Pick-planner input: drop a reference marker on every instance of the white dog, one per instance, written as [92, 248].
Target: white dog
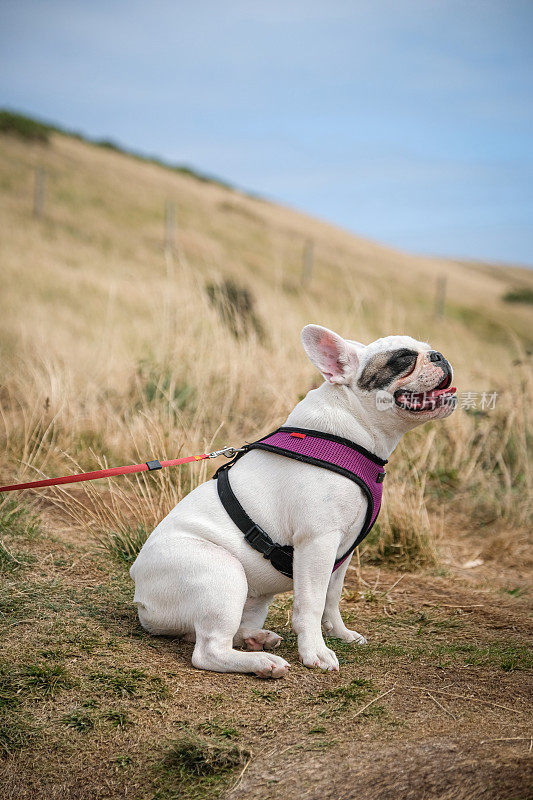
[197, 576]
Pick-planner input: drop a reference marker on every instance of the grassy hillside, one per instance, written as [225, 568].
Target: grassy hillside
[113, 348]
[119, 347]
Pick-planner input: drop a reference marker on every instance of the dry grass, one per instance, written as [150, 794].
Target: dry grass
[114, 351]
[127, 358]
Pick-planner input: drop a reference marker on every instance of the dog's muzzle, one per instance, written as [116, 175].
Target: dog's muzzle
[441, 395]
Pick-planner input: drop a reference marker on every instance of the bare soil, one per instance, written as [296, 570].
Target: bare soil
[456, 730]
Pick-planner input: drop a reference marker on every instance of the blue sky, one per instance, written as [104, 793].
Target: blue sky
[406, 121]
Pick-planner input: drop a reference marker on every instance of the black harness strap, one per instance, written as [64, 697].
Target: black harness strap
[279, 556]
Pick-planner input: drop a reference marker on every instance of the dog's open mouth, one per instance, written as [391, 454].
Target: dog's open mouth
[441, 395]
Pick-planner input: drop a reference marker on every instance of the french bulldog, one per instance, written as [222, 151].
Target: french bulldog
[196, 576]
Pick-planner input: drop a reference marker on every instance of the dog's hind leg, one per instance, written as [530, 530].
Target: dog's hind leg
[197, 590]
[219, 618]
[251, 632]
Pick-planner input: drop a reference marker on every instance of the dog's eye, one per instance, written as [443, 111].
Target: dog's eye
[384, 368]
[402, 362]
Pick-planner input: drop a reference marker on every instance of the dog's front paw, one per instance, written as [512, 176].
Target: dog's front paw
[336, 629]
[321, 657]
[351, 637]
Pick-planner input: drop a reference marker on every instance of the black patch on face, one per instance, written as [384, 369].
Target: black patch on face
[385, 367]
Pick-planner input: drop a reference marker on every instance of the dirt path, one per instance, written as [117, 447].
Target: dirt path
[449, 716]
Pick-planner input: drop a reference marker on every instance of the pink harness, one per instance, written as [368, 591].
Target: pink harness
[312, 447]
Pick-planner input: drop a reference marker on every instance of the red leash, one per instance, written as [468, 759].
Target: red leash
[147, 466]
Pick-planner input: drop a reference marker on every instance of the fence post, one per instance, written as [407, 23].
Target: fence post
[308, 261]
[170, 226]
[440, 296]
[39, 192]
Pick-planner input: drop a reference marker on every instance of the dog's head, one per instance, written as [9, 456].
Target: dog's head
[396, 375]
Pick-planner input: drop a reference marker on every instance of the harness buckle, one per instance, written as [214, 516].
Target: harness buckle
[260, 540]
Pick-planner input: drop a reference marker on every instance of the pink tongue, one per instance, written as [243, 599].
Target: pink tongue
[437, 392]
[419, 398]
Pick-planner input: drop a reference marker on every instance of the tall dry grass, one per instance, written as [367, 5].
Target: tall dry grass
[113, 352]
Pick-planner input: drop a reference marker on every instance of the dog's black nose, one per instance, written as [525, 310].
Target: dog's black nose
[433, 355]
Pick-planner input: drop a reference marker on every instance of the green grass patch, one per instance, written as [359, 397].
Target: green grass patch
[35, 130]
[11, 562]
[85, 641]
[420, 622]
[123, 761]
[421, 640]
[379, 652]
[374, 711]
[522, 294]
[124, 545]
[35, 681]
[84, 719]
[107, 603]
[45, 679]
[24, 127]
[317, 745]
[196, 767]
[117, 719]
[427, 623]
[16, 732]
[406, 546]
[130, 683]
[358, 690]
[80, 720]
[31, 599]
[219, 728]
[266, 697]
[9, 688]
[343, 650]
[16, 519]
[516, 591]
[159, 385]
[443, 482]
[508, 657]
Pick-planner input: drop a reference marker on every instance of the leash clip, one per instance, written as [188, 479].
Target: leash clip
[229, 452]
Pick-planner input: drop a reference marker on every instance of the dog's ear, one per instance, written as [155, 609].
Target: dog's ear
[336, 358]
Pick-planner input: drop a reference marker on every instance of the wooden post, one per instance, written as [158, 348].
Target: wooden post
[440, 296]
[39, 192]
[308, 262]
[170, 226]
